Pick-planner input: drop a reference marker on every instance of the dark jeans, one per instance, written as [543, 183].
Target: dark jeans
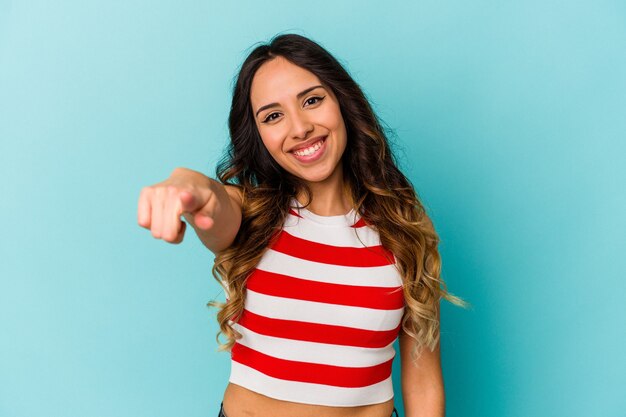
[222, 414]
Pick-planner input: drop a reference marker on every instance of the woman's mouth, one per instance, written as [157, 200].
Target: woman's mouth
[312, 153]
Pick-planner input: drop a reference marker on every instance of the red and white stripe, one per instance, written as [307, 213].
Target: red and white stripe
[322, 311]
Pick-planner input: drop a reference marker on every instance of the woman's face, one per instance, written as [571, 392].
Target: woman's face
[299, 120]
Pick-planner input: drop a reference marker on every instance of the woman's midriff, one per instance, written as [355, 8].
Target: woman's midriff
[241, 402]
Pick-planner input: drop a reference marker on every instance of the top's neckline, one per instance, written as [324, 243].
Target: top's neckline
[348, 219]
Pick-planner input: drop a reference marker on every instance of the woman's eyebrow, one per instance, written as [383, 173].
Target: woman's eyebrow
[300, 94]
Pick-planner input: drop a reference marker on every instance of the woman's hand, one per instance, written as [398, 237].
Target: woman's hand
[187, 193]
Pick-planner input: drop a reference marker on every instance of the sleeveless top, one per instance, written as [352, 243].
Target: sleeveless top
[322, 311]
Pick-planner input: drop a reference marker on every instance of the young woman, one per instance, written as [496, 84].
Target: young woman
[325, 252]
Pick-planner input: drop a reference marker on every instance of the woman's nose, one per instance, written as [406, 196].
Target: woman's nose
[300, 126]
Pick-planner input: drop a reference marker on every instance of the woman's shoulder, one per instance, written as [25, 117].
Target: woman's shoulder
[235, 192]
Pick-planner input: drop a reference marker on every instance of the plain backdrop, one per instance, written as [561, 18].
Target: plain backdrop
[508, 117]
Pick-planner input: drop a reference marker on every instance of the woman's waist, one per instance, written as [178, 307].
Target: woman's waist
[242, 402]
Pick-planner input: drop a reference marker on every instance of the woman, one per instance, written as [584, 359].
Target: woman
[322, 246]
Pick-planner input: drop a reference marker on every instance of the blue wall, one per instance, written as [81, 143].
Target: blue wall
[509, 119]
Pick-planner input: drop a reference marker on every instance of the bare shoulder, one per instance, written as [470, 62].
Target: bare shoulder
[235, 193]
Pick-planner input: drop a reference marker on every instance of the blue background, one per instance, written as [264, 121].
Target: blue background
[509, 118]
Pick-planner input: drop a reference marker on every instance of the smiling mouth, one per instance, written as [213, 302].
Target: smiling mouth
[311, 154]
[308, 151]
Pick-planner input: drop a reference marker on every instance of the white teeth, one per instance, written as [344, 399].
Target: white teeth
[310, 150]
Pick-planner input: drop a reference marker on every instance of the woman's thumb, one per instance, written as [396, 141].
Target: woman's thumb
[202, 221]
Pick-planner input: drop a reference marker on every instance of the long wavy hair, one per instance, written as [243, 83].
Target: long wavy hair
[383, 196]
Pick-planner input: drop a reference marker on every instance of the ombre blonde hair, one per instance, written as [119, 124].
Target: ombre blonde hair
[382, 195]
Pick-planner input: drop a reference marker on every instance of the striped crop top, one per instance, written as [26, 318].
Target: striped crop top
[321, 314]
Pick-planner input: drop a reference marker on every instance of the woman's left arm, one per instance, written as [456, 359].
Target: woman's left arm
[422, 381]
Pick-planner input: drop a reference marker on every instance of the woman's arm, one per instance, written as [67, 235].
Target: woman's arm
[212, 209]
[422, 381]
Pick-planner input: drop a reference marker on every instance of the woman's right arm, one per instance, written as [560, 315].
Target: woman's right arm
[211, 208]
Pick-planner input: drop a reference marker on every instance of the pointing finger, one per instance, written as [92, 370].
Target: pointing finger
[189, 201]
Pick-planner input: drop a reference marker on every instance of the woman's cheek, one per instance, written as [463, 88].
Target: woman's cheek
[268, 136]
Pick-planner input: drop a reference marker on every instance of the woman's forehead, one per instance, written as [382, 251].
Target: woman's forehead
[278, 79]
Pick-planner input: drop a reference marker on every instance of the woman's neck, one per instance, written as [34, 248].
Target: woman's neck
[328, 200]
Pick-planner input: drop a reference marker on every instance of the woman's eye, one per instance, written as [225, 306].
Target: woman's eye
[315, 100]
[269, 117]
[309, 101]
